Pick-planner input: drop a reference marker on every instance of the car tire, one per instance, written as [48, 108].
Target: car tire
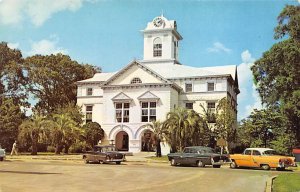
[200, 164]
[173, 162]
[118, 162]
[265, 167]
[85, 160]
[280, 168]
[233, 165]
[216, 166]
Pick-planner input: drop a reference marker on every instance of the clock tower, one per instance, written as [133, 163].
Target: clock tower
[161, 41]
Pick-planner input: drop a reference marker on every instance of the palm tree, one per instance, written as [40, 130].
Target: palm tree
[64, 132]
[184, 127]
[158, 134]
[33, 129]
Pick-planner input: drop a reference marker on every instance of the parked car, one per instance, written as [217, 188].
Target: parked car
[104, 154]
[264, 158]
[198, 156]
[2, 154]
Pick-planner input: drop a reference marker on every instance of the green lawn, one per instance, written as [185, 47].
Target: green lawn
[46, 153]
[287, 182]
[163, 158]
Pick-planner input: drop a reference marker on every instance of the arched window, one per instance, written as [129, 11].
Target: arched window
[136, 80]
[157, 47]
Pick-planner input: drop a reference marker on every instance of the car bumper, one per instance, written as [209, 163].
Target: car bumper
[115, 160]
[285, 165]
[221, 162]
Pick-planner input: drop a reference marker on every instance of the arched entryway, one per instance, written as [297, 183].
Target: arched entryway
[147, 141]
[122, 141]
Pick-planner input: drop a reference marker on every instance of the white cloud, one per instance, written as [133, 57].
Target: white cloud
[246, 57]
[13, 45]
[248, 98]
[46, 47]
[11, 11]
[256, 104]
[218, 47]
[38, 11]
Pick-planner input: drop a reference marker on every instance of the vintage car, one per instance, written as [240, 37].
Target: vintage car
[264, 158]
[104, 154]
[2, 154]
[198, 156]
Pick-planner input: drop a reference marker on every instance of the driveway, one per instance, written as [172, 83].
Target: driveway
[56, 176]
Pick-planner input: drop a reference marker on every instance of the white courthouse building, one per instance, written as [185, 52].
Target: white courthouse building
[126, 101]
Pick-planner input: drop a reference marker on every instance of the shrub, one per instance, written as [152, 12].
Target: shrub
[51, 149]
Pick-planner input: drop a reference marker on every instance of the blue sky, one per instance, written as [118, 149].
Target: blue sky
[107, 33]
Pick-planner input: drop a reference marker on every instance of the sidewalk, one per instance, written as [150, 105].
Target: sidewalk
[136, 157]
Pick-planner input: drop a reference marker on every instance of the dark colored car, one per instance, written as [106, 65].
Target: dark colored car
[198, 156]
[2, 154]
[104, 154]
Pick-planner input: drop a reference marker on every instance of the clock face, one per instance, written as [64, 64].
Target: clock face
[158, 21]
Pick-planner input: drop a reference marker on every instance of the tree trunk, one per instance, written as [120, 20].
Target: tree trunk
[57, 149]
[34, 148]
[34, 145]
[158, 148]
[67, 147]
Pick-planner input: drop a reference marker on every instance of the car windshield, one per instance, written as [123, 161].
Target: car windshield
[106, 149]
[270, 152]
[206, 150]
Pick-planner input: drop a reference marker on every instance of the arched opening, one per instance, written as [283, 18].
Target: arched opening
[122, 141]
[147, 141]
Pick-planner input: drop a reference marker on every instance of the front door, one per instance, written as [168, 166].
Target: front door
[122, 141]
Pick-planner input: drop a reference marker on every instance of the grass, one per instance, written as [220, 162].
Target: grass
[46, 153]
[163, 158]
[287, 182]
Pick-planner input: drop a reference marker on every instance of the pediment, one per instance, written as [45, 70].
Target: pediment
[148, 96]
[121, 97]
[135, 70]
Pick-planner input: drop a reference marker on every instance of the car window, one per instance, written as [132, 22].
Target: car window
[247, 152]
[270, 152]
[193, 151]
[255, 152]
[210, 150]
[186, 150]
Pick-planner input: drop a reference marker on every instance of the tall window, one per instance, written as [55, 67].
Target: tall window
[122, 112]
[210, 86]
[157, 47]
[189, 105]
[136, 80]
[175, 49]
[188, 87]
[89, 91]
[88, 113]
[148, 111]
[211, 108]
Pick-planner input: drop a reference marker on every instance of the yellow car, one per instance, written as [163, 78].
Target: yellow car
[264, 158]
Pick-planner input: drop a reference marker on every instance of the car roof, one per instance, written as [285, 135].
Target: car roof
[104, 146]
[259, 149]
[199, 147]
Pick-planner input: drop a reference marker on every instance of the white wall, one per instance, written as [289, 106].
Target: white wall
[167, 45]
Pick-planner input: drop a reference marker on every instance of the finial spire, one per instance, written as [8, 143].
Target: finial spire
[162, 12]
